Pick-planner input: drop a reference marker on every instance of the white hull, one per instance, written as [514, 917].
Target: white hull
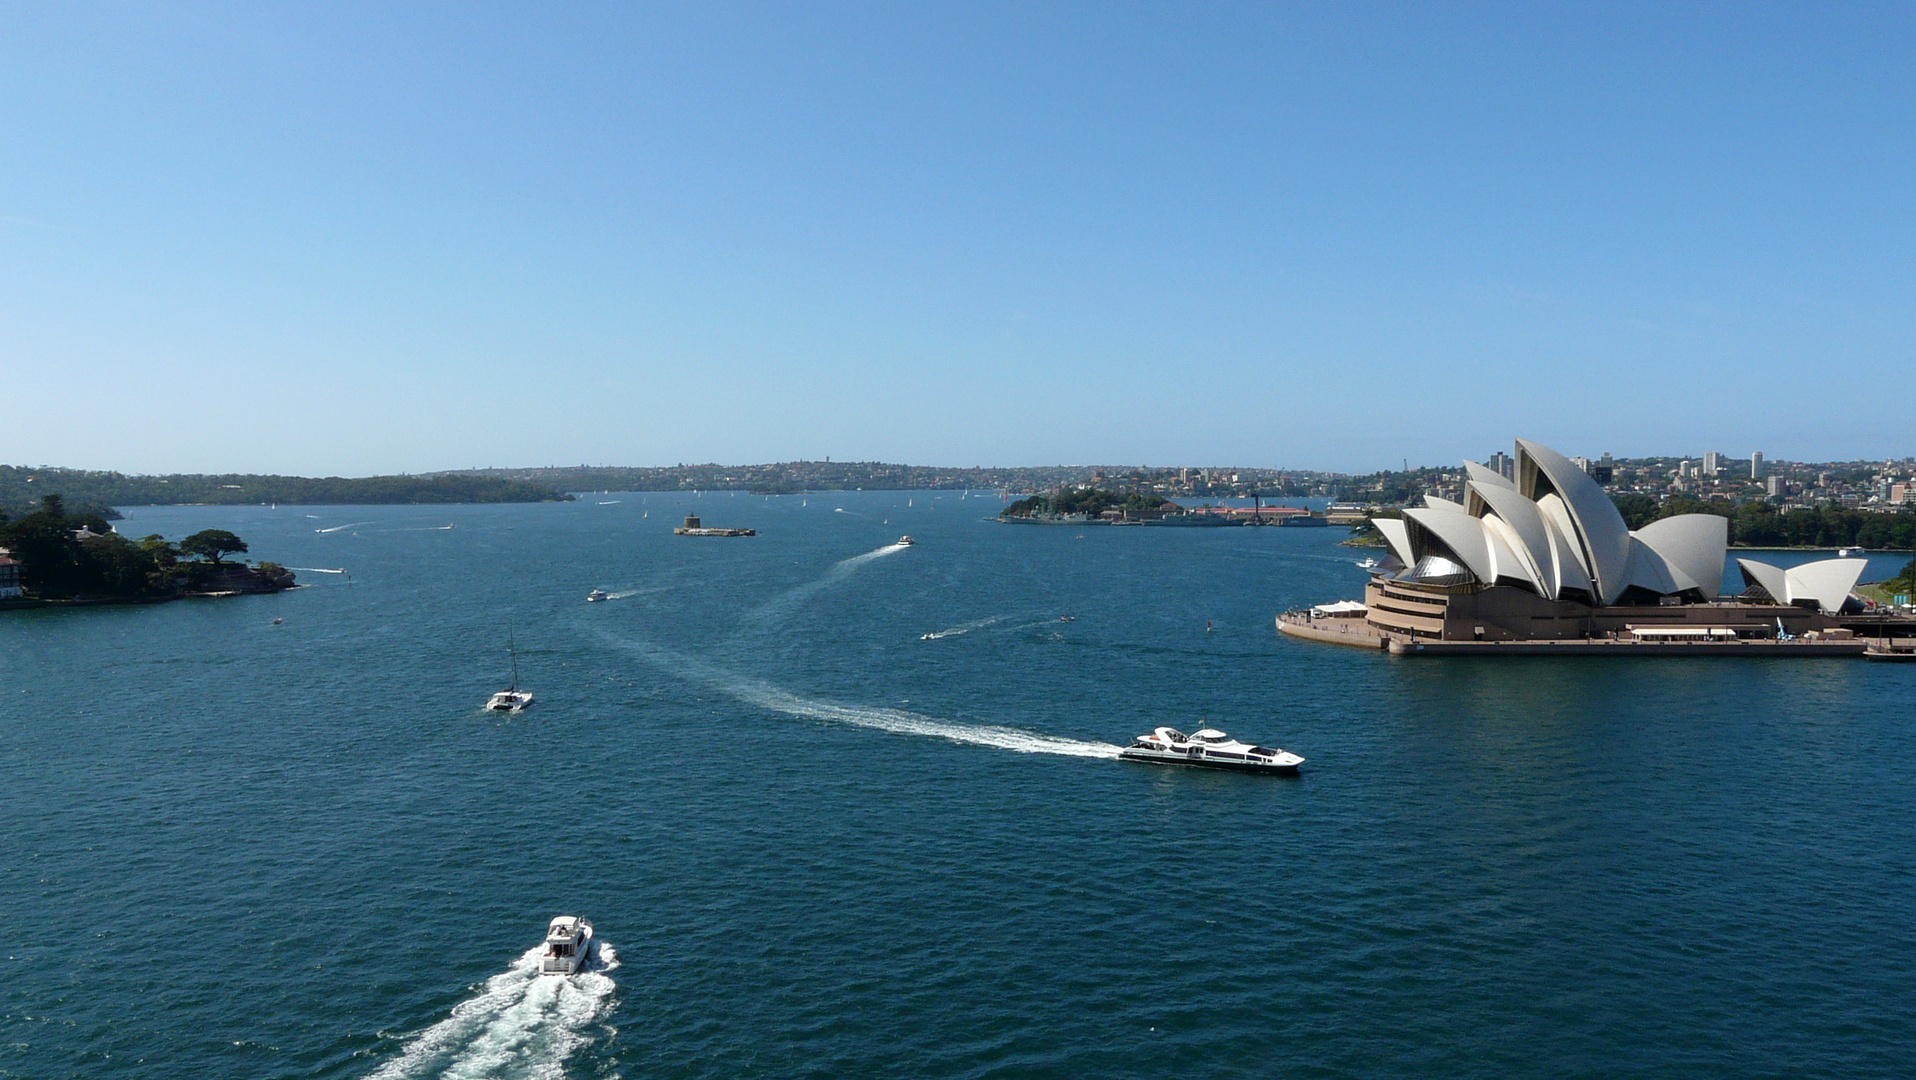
[509, 701]
[1209, 749]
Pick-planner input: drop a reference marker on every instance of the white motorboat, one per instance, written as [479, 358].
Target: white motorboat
[1369, 563]
[595, 596]
[906, 541]
[568, 946]
[1850, 552]
[1208, 749]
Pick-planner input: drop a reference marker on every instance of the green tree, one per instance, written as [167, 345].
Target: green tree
[210, 544]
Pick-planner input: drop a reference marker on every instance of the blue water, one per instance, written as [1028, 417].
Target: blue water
[820, 844]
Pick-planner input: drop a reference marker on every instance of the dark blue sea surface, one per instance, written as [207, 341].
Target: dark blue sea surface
[840, 808]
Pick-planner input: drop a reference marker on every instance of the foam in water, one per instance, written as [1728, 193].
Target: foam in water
[520, 1024]
[336, 528]
[762, 617]
[903, 722]
[898, 721]
[962, 628]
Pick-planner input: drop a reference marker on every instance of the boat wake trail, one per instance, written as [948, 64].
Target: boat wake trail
[763, 616]
[520, 1024]
[898, 721]
[962, 628]
[336, 528]
[314, 570]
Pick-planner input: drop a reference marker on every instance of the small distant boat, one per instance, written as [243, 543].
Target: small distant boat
[277, 621]
[1887, 650]
[1067, 618]
[595, 596]
[1369, 563]
[511, 699]
[906, 541]
[568, 946]
[1208, 749]
[1850, 553]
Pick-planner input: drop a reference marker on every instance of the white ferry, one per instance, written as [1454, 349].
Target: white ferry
[568, 946]
[1208, 749]
[906, 541]
[595, 596]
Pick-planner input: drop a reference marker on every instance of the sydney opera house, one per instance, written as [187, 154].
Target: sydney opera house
[1544, 555]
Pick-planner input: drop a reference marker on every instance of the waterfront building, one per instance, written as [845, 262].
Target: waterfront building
[9, 576]
[1546, 555]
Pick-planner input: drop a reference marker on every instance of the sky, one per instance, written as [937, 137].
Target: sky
[352, 239]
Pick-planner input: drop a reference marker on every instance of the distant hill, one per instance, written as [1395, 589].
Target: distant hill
[794, 476]
[21, 489]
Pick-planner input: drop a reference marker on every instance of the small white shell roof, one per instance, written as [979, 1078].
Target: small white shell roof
[1826, 581]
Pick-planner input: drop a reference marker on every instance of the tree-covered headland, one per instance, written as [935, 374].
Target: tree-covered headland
[76, 556]
[1087, 501]
[21, 489]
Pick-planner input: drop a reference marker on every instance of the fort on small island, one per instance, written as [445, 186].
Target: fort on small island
[1539, 561]
[693, 528]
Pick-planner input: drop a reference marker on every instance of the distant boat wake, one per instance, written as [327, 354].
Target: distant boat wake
[336, 528]
[962, 628]
[314, 570]
[520, 1024]
[764, 695]
[762, 617]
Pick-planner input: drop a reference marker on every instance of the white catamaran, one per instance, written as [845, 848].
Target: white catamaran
[511, 699]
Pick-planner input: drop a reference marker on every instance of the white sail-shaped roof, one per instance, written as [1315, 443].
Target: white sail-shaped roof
[1486, 476]
[1508, 564]
[1646, 569]
[1555, 531]
[1457, 535]
[1567, 570]
[1694, 545]
[1525, 522]
[1600, 531]
[1827, 582]
[1394, 535]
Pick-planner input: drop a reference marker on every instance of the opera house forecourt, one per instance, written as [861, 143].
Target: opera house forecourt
[1542, 562]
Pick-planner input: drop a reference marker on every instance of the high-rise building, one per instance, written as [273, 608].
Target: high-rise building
[1712, 463]
[1774, 486]
[1756, 465]
[1502, 465]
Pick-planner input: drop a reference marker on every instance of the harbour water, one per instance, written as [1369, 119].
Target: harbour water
[844, 808]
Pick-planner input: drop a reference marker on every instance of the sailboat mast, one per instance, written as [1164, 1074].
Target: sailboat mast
[512, 649]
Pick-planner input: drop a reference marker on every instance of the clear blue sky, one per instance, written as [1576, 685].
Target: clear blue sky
[372, 238]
